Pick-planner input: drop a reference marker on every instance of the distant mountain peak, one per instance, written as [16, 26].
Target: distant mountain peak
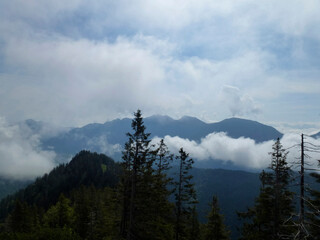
[317, 135]
[238, 119]
[239, 127]
[189, 119]
[96, 137]
[160, 118]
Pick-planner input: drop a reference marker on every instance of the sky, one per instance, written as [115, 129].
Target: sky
[70, 63]
[76, 62]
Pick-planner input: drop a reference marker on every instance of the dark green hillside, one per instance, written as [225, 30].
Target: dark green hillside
[236, 190]
[85, 168]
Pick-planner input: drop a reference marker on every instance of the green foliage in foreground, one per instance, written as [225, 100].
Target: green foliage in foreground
[84, 200]
[143, 212]
[90, 213]
[271, 217]
[42, 234]
[215, 229]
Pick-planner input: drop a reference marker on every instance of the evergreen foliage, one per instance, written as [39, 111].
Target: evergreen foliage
[313, 216]
[185, 195]
[273, 209]
[215, 229]
[161, 210]
[135, 185]
[194, 228]
[60, 215]
[143, 188]
[85, 169]
[96, 212]
[85, 200]
[90, 214]
[80, 200]
[22, 219]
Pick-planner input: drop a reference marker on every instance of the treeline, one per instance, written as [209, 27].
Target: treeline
[84, 169]
[95, 198]
[145, 204]
[88, 213]
[274, 214]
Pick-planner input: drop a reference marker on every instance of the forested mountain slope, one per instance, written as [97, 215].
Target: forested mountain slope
[84, 169]
[236, 189]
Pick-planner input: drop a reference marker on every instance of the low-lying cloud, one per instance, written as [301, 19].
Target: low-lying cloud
[20, 155]
[242, 152]
[101, 144]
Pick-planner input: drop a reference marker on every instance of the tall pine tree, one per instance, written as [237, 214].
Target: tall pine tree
[273, 209]
[185, 196]
[146, 210]
[160, 212]
[215, 229]
[136, 166]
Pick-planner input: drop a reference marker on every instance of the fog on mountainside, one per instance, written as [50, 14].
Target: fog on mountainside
[234, 143]
[89, 172]
[110, 136]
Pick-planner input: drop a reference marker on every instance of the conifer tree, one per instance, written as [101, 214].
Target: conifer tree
[22, 218]
[136, 180]
[162, 181]
[163, 158]
[60, 215]
[215, 229]
[95, 212]
[160, 223]
[194, 225]
[313, 203]
[82, 212]
[273, 209]
[185, 195]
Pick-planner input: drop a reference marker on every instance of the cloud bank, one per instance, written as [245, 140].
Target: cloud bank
[242, 152]
[78, 62]
[20, 155]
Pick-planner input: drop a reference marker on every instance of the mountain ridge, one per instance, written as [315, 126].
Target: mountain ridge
[114, 132]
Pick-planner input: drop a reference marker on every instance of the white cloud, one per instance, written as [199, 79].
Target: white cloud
[297, 18]
[243, 152]
[80, 81]
[20, 154]
[101, 145]
[74, 80]
[238, 103]
[79, 62]
[309, 128]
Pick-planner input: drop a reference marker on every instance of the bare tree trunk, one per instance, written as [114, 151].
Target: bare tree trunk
[301, 215]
